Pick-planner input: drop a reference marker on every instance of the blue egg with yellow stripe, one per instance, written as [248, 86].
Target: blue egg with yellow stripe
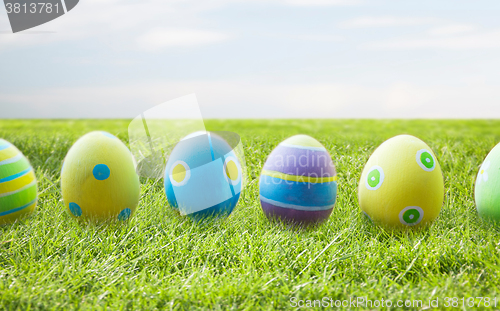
[18, 188]
[298, 182]
[203, 176]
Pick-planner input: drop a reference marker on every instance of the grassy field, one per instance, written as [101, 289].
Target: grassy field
[160, 260]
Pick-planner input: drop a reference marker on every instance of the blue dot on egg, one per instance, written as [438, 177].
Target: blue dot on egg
[101, 172]
[125, 214]
[75, 209]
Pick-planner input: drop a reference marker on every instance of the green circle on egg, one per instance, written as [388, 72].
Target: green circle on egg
[375, 178]
[411, 215]
[425, 160]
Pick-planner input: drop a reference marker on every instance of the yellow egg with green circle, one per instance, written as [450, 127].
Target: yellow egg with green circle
[99, 180]
[402, 184]
[18, 188]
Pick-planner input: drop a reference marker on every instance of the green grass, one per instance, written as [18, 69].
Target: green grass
[160, 260]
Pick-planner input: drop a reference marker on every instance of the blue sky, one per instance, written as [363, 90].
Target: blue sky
[257, 59]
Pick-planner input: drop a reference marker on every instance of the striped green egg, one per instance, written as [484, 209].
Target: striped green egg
[18, 189]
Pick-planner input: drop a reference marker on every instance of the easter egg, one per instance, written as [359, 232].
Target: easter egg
[402, 184]
[18, 189]
[298, 183]
[203, 176]
[99, 180]
[487, 192]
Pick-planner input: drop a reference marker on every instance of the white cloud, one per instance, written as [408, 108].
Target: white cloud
[319, 38]
[455, 29]
[479, 41]
[322, 2]
[384, 21]
[157, 39]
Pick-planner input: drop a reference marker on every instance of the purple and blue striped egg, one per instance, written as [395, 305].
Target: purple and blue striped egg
[299, 182]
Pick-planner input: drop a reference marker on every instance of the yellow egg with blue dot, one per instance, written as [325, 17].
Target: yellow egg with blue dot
[402, 184]
[99, 180]
[203, 176]
[18, 188]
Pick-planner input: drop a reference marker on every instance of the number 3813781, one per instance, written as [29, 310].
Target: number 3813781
[470, 302]
[33, 8]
